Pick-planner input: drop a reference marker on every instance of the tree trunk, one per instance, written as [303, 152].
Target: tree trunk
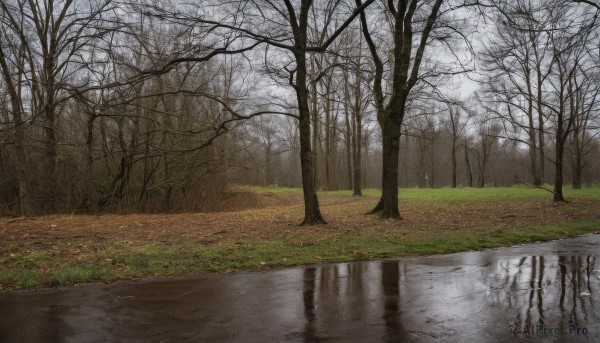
[349, 148]
[357, 156]
[455, 134]
[577, 160]
[404, 78]
[89, 196]
[454, 162]
[51, 155]
[533, 160]
[89, 141]
[314, 113]
[481, 183]
[468, 163]
[327, 129]
[388, 203]
[432, 163]
[357, 132]
[541, 153]
[312, 213]
[268, 158]
[558, 176]
[577, 176]
[532, 138]
[27, 206]
[541, 143]
[561, 135]
[334, 168]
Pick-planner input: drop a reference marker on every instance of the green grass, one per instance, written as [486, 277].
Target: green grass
[449, 198]
[499, 238]
[250, 254]
[593, 193]
[27, 267]
[78, 273]
[478, 194]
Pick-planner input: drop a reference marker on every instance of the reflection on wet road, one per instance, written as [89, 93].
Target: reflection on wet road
[547, 292]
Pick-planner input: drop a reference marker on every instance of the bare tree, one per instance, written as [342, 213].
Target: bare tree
[517, 64]
[487, 141]
[466, 149]
[565, 106]
[410, 21]
[41, 49]
[581, 141]
[550, 40]
[288, 33]
[355, 103]
[456, 129]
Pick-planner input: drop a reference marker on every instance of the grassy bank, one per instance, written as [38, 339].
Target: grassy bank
[63, 250]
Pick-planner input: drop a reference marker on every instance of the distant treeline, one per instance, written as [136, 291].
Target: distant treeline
[160, 106]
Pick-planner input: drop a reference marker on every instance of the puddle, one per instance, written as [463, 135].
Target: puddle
[546, 292]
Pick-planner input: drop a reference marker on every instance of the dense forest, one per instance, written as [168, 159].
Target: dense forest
[165, 106]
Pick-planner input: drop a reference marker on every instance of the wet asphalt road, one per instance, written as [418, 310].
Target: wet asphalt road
[544, 292]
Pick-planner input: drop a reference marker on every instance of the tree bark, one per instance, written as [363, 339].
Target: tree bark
[540, 105]
[388, 203]
[51, 153]
[558, 176]
[455, 123]
[541, 143]
[353, 109]
[577, 162]
[467, 162]
[453, 162]
[405, 75]
[349, 148]
[531, 129]
[312, 212]
[349, 132]
[357, 154]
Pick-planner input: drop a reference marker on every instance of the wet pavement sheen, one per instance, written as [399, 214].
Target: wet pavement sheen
[545, 292]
